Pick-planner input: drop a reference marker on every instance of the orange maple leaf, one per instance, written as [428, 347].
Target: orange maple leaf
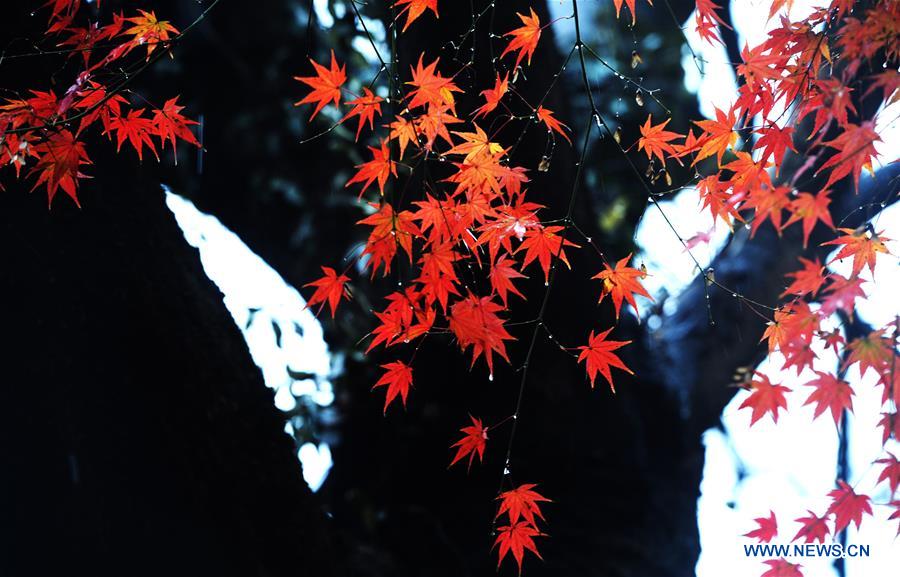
[862, 245]
[397, 379]
[414, 9]
[631, 8]
[545, 115]
[622, 283]
[473, 442]
[810, 208]
[525, 38]
[475, 144]
[380, 168]
[717, 135]
[765, 398]
[807, 280]
[654, 140]
[326, 85]
[493, 95]
[430, 87]
[599, 356]
[149, 31]
[329, 288]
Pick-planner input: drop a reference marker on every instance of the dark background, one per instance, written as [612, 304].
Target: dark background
[137, 437]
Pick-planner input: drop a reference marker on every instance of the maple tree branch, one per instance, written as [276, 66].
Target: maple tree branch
[122, 85]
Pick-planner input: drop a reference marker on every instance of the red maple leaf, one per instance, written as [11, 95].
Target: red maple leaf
[890, 472]
[777, 5]
[708, 21]
[775, 142]
[502, 274]
[543, 244]
[855, 149]
[365, 106]
[814, 528]
[896, 514]
[782, 568]
[59, 163]
[622, 283]
[890, 424]
[841, 294]
[655, 140]
[390, 231]
[847, 506]
[135, 128]
[380, 168]
[524, 38]
[473, 442]
[599, 357]
[764, 398]
[330, 288]
[397, 379]
[545, 115]
[414, 9]
[522, 502]
[475, 323]
[169, 125]
[718, 198]
[516, 538]
[831, 393]
[766, 530]
[862, 245]
[326, 85]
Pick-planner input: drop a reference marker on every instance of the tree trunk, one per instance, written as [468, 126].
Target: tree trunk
[137, 436]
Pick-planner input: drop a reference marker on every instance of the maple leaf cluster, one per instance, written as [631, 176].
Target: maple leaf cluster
[478, 216]
[42, 131]
[522, 509]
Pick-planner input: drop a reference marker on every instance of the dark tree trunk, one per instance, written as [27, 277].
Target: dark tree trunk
[136, 435]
